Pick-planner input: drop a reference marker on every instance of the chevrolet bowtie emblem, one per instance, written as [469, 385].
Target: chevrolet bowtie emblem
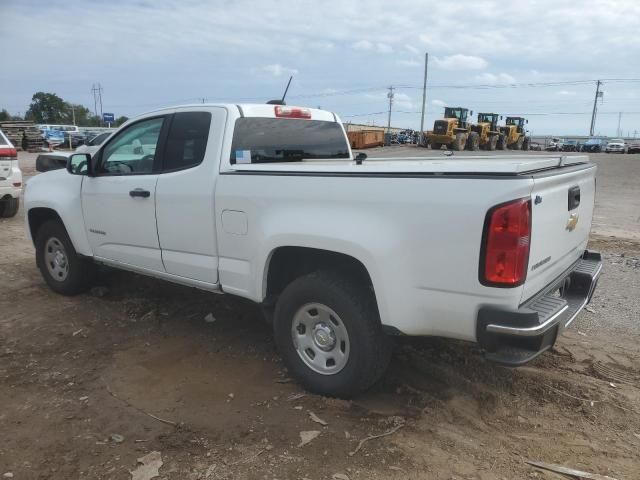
[572, 222]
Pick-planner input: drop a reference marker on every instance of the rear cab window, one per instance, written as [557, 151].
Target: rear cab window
[187, 140]
[275, 140]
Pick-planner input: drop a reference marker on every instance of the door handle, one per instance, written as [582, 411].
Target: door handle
[574, 198]
[139, 192]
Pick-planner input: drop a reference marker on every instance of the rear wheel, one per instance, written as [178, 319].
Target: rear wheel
[436, 146]
[328, 331]
[61, 267]
[9, 207]
[473, 142]
[459, 142]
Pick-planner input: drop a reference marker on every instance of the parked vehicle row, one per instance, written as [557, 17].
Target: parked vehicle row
[67, 136]
[594, 145]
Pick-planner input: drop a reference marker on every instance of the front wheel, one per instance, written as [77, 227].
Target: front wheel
[473, 142]
[328, 331]
[436, 146]
[61, 267]
[526, 144]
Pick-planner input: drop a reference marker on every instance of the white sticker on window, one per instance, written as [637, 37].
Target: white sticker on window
[243, 156]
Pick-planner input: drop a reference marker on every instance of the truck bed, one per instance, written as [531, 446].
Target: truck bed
[500, 165]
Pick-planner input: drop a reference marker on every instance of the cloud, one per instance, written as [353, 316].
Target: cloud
[367, 46]
[461, 62]
[278, 70]
[409, 63]
[404, 101]
[362, 45]
[493, 79]
[439, 103]
[412, 49]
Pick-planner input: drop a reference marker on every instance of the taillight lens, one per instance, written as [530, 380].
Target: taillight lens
[292, 112]
[8, 153]
[506, 242]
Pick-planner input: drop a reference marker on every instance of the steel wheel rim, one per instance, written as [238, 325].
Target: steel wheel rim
[320, 338]
[56, 259]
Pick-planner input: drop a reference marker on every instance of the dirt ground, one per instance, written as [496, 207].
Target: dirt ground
[90, 384]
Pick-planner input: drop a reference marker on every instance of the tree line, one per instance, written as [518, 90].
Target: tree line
[52, 109]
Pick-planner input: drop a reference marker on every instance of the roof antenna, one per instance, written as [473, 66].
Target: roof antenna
[281, 102]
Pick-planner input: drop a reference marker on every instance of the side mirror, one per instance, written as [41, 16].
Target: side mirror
[471, 112]
[527, 121]
[78, 164]
[361, 157]
[500, 117]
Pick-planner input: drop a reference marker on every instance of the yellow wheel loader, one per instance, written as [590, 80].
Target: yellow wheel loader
[514, 134]
[454, 131]
[487, 130]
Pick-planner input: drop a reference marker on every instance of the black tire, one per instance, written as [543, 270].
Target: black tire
[9, 207]
[369, 349]
[436, 146]
[526, 144]
[80, 270]
[492, 143]
[518, 144]
[459, 142]
[473, 142]
[502, 142]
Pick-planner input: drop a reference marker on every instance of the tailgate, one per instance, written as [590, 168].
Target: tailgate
[562, 207]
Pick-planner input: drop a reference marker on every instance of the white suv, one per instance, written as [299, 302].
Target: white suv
[10, 178]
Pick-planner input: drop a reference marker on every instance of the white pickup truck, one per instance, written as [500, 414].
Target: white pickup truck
[267, 202]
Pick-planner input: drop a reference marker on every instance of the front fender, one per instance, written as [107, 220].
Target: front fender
[60, 191]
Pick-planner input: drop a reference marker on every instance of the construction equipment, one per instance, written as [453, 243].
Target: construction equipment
[514, 134]
[487, 129]
[454, 131]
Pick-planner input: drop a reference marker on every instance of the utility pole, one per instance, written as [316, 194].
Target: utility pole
[424, 97]
[390, 97]
[95, 100]
[73, 114]
[619, 131]
[96, 89]
[595, 105]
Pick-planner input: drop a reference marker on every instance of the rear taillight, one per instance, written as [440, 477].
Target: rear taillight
[505, 244]
[292, 112]
[8, 153]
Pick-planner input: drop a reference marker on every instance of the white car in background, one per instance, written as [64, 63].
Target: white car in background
[58, 159]
[93, 145]
[616, 145]
[10, 178]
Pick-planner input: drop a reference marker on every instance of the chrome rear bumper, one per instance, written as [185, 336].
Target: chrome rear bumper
[514, 337]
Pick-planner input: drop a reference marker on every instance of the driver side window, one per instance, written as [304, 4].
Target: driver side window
[133, 150]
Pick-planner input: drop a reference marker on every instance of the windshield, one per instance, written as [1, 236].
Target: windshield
[592, 141]
[486, 117]
[616, 140]
[454, 113]
[266, 140]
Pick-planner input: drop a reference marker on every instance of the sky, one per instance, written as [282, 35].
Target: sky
[539, 59]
